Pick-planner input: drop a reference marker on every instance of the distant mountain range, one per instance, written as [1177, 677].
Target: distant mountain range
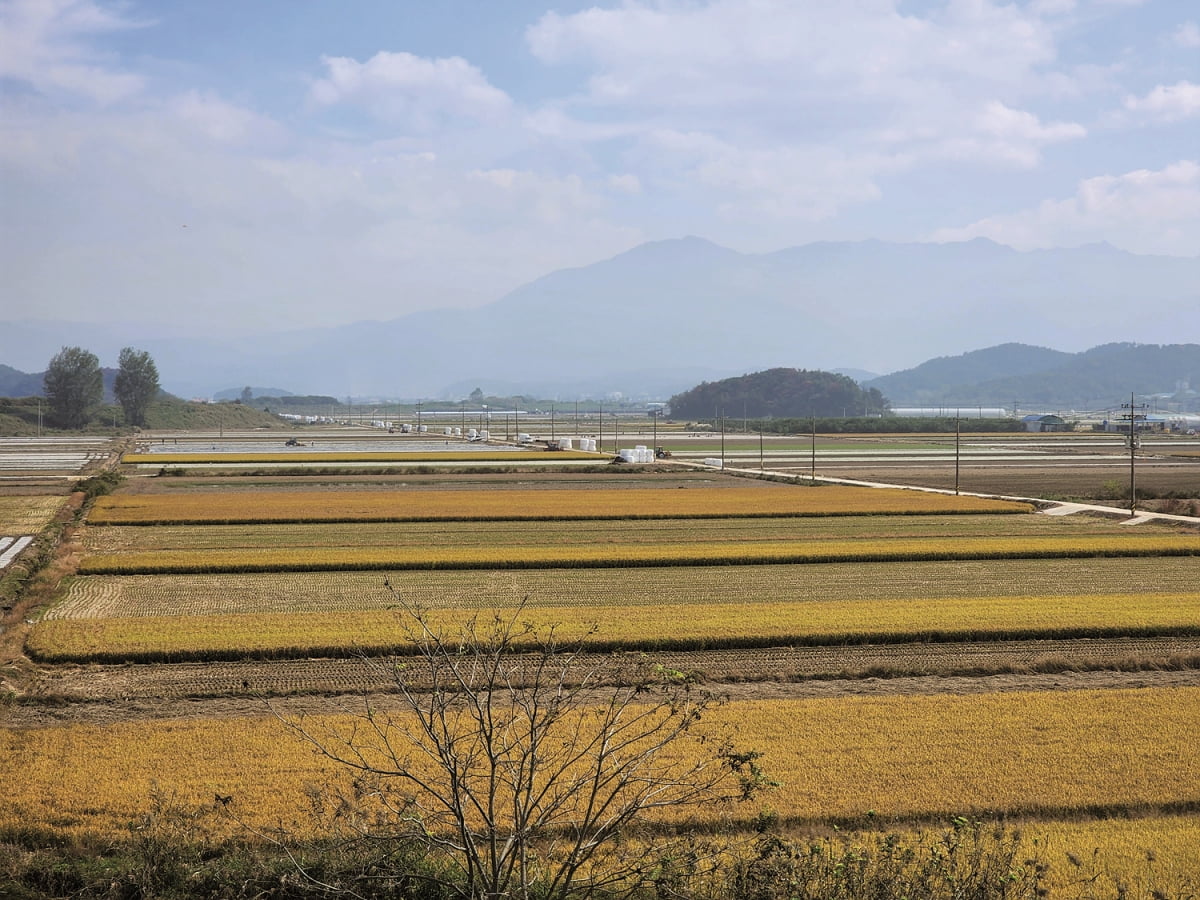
[1037, 378]
[1013, 376]
[665, 316]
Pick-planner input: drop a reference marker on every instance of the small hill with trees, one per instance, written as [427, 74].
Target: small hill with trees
[779, 393]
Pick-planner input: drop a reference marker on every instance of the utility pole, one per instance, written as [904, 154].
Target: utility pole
[1134, 441]
[957, 439]
[812, 468]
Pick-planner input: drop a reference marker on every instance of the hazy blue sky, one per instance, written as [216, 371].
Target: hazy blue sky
[235, 164]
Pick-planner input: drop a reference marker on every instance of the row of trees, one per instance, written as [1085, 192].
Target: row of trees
[74, 385]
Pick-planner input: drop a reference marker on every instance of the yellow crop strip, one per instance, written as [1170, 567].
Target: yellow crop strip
[627, 503]
[589, 590]
[358, 456]
[684, 624]
[1050, 755]
[126, 538]
[617, 555]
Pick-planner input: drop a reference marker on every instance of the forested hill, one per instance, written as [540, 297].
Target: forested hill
[778, 393]
[1039, 377]
[19, 384]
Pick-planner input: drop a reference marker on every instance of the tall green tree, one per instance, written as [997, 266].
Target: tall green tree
[136, 384]
[74, 386]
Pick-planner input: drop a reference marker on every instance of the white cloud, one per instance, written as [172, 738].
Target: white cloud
[1142, 211]
[1187, 35]
[802, 183]
[1010, 136]
[736, 51]
[1168, 102]
[221, 121]
[326, 231]
[798, 110]
[412, 90]
[625, 184]
[46, 44]
[1015, 124]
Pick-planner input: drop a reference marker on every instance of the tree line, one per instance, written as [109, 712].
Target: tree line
[74, 386]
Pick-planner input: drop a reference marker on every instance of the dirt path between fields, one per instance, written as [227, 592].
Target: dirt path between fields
[108, 694]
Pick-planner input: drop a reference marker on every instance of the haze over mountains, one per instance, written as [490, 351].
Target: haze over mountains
[664, 316]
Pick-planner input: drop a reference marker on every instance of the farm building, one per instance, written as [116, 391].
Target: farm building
[1038, 422]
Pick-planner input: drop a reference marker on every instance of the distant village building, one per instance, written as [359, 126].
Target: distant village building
[1042, 423]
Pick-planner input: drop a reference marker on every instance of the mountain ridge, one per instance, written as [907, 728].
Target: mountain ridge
[628, 322]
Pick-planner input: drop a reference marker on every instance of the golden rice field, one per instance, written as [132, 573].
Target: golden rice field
[1139, 854]
[105, 596]
[544, 505]
[307, 457]
[134, 538]
[1056, 758]
[681, 625]
[229, 572]
[27, 515]
[636, 555]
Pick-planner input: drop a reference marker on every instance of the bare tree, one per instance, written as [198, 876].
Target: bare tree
[523, 768]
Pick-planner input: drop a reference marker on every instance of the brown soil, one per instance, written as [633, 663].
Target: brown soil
[117, 711]
[101, 694]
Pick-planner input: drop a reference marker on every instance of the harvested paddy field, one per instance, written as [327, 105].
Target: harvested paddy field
[1108, 479]
[97, 693]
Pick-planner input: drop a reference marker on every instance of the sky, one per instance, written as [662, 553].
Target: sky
[221, 166]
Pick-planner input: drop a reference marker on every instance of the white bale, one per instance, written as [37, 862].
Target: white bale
[565, 444]
[714, 461]
[485, 435]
